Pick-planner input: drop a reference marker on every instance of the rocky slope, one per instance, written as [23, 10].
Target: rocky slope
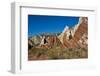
[45, 40]
[71, 43]
[76, 37]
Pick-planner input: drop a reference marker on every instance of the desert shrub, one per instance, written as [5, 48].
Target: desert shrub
[53, 53]
[59, 53]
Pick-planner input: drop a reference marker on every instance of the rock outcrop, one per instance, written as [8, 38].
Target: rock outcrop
[77, 36]
[50, 42]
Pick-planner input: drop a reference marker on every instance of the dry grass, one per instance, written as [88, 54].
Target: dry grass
[56, 53]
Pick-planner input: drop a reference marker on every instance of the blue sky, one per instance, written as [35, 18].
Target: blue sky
[51, 24]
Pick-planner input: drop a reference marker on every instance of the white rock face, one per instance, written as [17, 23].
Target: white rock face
[76, 26]
[43, 41]
[65, 29]
[62, 34]
[83, 42]
[75, 36]
[69, 32]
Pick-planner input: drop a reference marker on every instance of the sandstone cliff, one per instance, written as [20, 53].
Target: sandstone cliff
[77, 36]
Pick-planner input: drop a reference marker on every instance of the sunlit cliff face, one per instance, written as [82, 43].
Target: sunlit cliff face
[69, 34]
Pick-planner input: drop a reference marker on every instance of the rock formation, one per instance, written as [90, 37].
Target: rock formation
[50, 42]
[77, 36]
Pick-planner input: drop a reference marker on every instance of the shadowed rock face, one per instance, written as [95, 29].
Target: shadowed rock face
[30, 44]
[77, 36]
